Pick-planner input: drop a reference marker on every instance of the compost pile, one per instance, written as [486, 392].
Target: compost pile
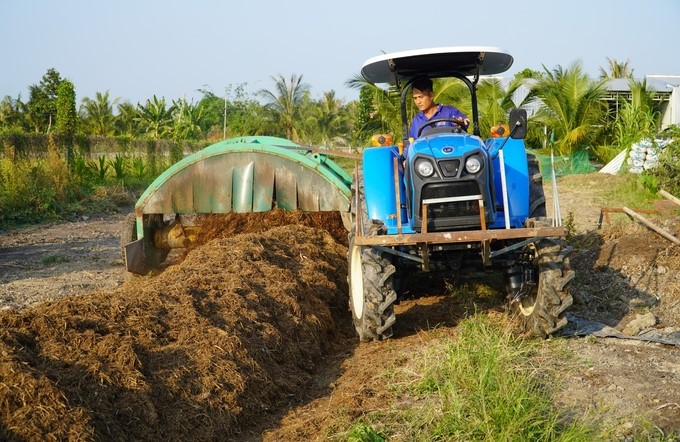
[198, 352]
[248, 336]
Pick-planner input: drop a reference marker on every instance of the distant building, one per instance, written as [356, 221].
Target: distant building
[666, 87]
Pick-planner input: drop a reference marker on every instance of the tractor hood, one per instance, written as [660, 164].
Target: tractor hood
[443, 146]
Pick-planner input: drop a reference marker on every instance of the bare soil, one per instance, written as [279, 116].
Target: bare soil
[249, 337]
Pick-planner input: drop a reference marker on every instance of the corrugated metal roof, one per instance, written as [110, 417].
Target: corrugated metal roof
[673, 80]
[618, 85]
[614, 165]
[654, 83]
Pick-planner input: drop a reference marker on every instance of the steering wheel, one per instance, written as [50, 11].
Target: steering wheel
[457, 124]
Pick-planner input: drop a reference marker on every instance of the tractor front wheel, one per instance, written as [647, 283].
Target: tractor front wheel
[371, 275]
[372, 294]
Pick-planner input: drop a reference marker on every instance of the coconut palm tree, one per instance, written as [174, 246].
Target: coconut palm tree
[12, 112]
[285, 101]
[98, 114]
[638, 117]
[188, 120]
[327, 120]
[379, 109]
[493, 103]
[453, 92]
[570, 107]
[156, 118]
[127, 120]
[616, 70]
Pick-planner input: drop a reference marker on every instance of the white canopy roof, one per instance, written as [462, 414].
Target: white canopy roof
[437, 62]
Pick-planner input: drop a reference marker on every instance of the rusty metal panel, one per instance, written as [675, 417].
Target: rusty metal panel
[308, 201]
[182, 197]
[245, 177]
[210, 192]
[220, 191]
[211, 181]
[263, 184]
[202, 182]
[309, 192]
[242, 188]
[286, 189]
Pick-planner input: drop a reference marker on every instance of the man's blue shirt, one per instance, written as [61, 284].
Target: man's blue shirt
[443, 111]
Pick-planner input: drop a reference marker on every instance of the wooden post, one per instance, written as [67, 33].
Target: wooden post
[652, 226]
[423, 227]
[670, 197]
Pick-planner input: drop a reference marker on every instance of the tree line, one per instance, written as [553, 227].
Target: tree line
[570, 111]
[569, 116]
[287, 110]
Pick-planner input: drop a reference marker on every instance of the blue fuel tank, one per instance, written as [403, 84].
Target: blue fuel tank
[517, 180]
[379, 188]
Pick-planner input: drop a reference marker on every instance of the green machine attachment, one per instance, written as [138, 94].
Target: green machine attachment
[245, 174]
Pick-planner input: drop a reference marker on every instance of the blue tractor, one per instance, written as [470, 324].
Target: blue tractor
[452, 200]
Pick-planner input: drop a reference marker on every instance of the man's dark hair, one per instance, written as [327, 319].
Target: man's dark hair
[422, 84]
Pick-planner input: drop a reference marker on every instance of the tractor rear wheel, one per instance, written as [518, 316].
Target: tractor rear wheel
[371, 278]
[542, 311]
[536, 194]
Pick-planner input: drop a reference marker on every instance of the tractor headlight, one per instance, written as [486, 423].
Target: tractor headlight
[473, 165]
[424, 168]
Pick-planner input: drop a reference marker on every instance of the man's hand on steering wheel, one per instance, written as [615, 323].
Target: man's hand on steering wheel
[460, 123]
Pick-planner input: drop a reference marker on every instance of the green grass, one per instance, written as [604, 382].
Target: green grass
[55, 259]
[38, 190]
[630, 191]
[481, 386]
[362, 432]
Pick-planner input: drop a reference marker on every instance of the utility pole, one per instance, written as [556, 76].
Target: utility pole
[224, 131]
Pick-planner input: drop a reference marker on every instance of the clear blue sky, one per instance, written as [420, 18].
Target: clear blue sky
[171, 48]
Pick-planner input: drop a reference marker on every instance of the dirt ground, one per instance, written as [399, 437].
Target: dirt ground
[248, 337]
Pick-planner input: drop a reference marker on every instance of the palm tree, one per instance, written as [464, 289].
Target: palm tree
[156, 118]
[638, 117]
[616, 70]
[494, 104]
[285, 102]
[328, 120]
[98, 114]
[188, 120]
[379, 110]
[11, 112]
[571, 106]
[127, 120]
[453, 92]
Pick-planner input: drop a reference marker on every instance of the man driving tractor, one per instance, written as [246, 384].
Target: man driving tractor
[423, 97]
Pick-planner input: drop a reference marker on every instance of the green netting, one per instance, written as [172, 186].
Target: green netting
[576, 163]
